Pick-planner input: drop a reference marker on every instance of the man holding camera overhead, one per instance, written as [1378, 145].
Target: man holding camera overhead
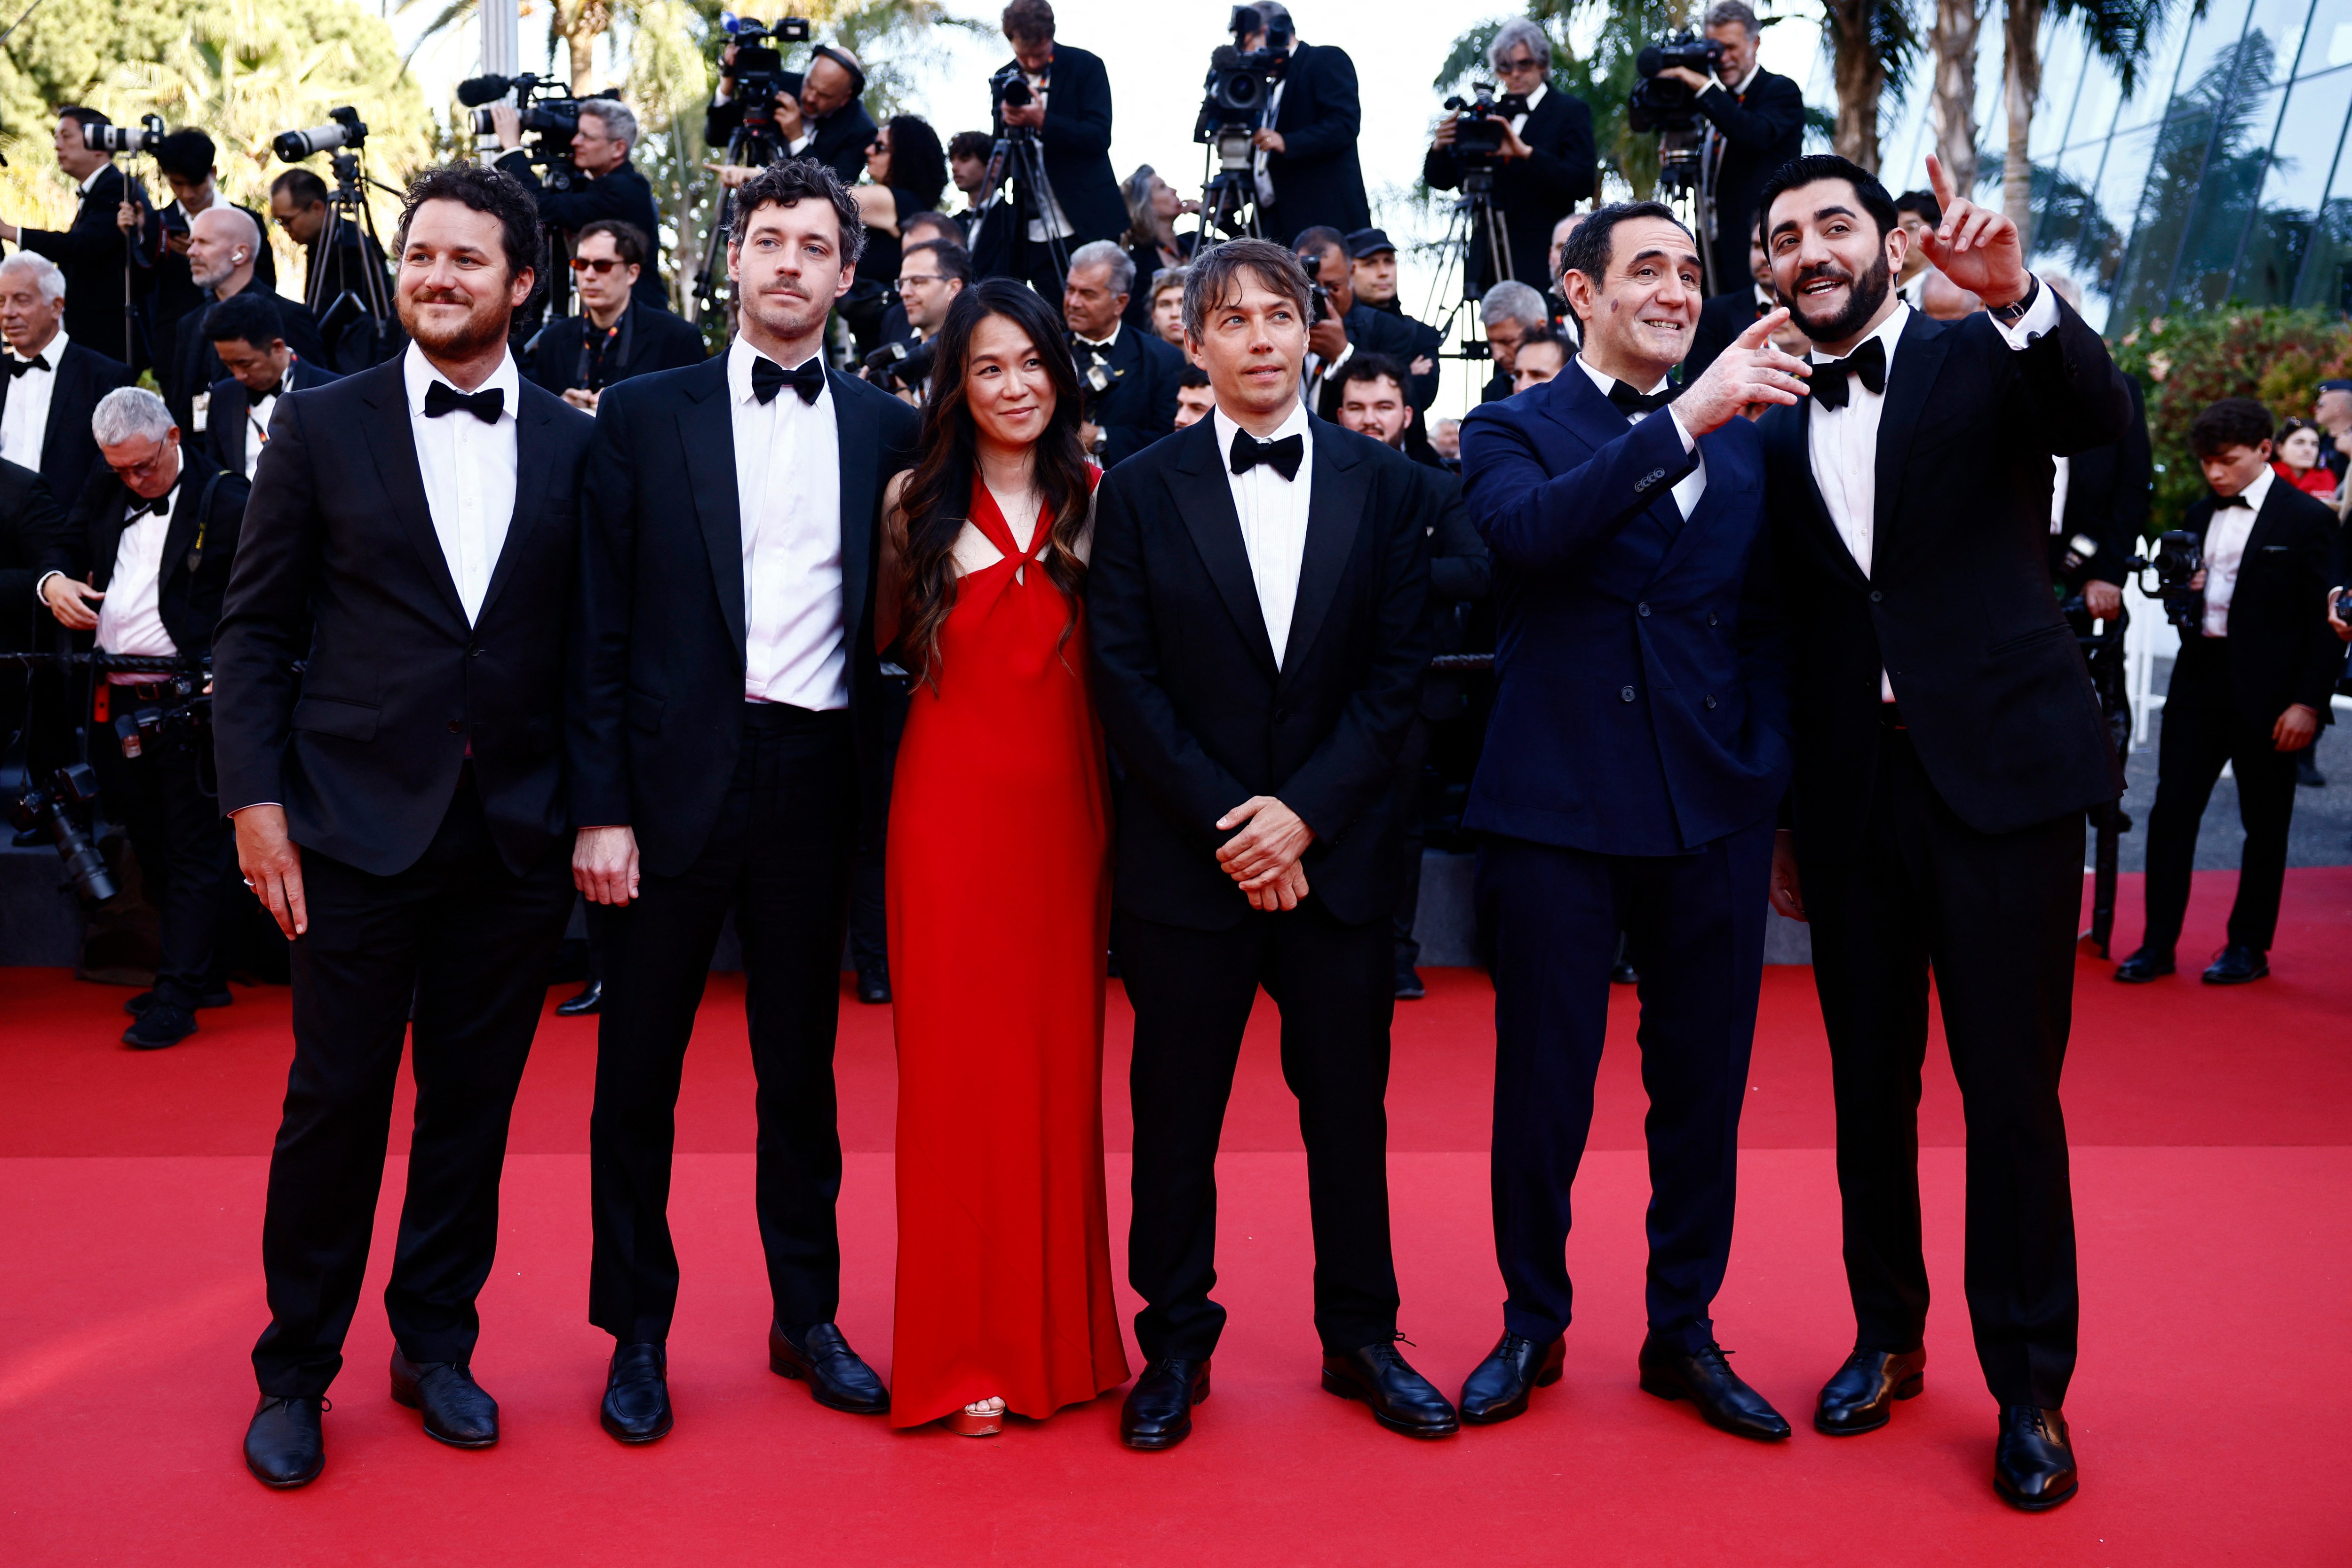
[614, 189]
[818, 115]
[1307, 176]
[1542, 157]
[91, 251]
[1756, 122]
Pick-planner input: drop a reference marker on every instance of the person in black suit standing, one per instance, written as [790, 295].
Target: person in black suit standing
[1306, 170]
[337, 259]
[400, 807]
[151, 541]
[819, 117]
[185, 161]
[614, 336]
[1135, 404]
[613, 190]
[1069, 112]
[222, 244]
[1948, 744]
[1256, 613]
[91, 251]
[1756, 123]
[53, 383]
[34, 542]
[2250, 689]
[1544, 167]
[1372, 279]
[250, 335]
[725, 724]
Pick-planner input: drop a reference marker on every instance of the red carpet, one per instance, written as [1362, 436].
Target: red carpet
[2212, 1175]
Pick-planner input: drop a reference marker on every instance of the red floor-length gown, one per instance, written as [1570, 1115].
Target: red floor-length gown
[999, 907]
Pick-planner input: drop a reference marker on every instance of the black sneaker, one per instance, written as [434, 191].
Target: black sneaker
[160, 1026]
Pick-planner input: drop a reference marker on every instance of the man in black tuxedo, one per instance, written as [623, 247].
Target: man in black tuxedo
[91, 251]
[614, 336]
[1069, 112]
[1136, 403]
[185, 161]
[250, 335]
[222, 244]
[401, 807]
[2250, 689]
[152, 538]
[1544, 166]
[1306, 171]
[336, 258]
[1256, 613]
[819, 117]
[725, 708]
[1725, 316]
[34, 542]
[1948, 744]
[612, 189]
[1756, 123]
[1349, 327]
[53, 382]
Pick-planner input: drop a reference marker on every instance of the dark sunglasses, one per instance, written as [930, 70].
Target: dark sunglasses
[599, 264]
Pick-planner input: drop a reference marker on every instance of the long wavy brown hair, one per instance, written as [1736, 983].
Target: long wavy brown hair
[937, 498]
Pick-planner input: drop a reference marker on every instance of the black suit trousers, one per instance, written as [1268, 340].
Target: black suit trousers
[2202, 729]
[1697, 920]
[779, 857]
[186, 851]
[467, 943]
[1192, 992]
[1993, 915]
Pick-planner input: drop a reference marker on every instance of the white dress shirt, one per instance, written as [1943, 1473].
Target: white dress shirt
[1691, 486]
[468, 470]
[130, 617]
[24, 421]
[1519, 120]
[1273, 513]
[1844, 442]
[788, 495]
[1260, 174]
[2225, 551]
[257, 412]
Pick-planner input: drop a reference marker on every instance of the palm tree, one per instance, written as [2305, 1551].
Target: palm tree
[1873, 45]
[1952, 109]
[2119, 32]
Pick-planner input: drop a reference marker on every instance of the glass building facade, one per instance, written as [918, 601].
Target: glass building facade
[2222, 177]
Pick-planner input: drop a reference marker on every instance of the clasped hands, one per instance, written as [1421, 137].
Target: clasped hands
[1264, 856]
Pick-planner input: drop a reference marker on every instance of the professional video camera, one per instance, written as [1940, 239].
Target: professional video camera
[343, 138]
[2179, 556]
[758, 68]
[1483, 118]
[901, 366]
[1670, 108]
[550, 117]
[60, 808]
[1233, 105]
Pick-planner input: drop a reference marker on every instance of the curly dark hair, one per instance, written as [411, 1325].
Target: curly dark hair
[792, 181]
[484, 190]
[918, 164]
[2232, 422]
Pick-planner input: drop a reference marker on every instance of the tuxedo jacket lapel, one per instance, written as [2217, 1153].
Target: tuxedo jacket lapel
[393, 446]
[1789, 444]
[1206, 504]
[854, 443]
[532, 460]
[1335, 508]
[1918, 361]
[1585, 412]
[706, 428]
[65, 396]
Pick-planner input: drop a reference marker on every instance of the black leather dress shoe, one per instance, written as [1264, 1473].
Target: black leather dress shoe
[1409, 987]
[591, 998]
[160, 1026]
[1622, 973]
[1158, 1411]
[834, 1374]
[2143, 966]
[636, 1394]
[2033, 1460]
[456, 1410]
[1706, 1380]
[1498, 1388]
[285, 1444]
[873, 988]
[138, 1004]
[1401, 1399]
[1860, 1398]
[2238, 965]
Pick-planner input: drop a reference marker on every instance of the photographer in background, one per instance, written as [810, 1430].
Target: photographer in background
[184, 159]
[53, 382]
[1508, 310]
[818, 115]
[613, 188]
[1351, 327]
[1543, 354]
[920, 228]
[1307, 176]
[1756, 123]
[90, 252]
[931, 274]
[1544, 166]
[1372, 275]
[1137, 404]
[223, 242]
[614, 336]
[249, 336]
[155, 534]
[1067, 109]
[297, 202]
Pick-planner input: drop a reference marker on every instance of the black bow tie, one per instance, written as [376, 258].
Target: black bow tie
[1868, 363]
[485, 406]
[275, 387]
[2238, 499]
[17, 367]
[1630, 402]
[769, 378]
[1283, 457]
[141, 505]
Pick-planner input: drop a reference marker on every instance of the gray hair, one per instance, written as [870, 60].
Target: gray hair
[127, 413]
[51, 281]
[1513, 301]
[1106, 253]
[1518, 31]
[1724, 13]
[620, 120]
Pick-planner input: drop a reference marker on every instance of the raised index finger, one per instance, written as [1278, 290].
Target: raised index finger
[1938, 181]
[1762, 329]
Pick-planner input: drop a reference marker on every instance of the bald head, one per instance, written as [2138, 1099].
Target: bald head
[827, 86]
[222, 245]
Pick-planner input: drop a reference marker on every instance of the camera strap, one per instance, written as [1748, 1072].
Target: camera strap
[203, 518]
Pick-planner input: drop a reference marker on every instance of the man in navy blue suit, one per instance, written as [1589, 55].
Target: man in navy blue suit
[1637, 755]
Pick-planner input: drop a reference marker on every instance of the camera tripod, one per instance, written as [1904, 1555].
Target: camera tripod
[1228, 185]
[347, 208]
[752, 146]
[1018, 160]
[1475, 221]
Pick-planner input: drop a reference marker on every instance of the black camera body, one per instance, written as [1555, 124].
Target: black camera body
[1482, 120]
[343, 132]
[60, 808]
[185, 721]
[759, 73]
[551, 117]
[143, 137]
[1241, 81]
[2178, 557]
[1656, 105]
[902, 366]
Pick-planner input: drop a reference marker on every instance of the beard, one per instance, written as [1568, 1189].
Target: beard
[1864, 295]
[484, 323]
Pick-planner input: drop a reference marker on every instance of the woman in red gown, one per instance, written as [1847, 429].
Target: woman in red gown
[998, 889]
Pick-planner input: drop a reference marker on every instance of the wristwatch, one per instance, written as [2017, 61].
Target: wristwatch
[2009, 315]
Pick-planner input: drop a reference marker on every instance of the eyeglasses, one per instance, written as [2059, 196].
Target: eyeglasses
[909, 281]
[599, 264]
[1521, 63]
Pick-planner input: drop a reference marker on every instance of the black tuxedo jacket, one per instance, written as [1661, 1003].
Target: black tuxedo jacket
[2280, 649]
[339, 564]
[2107, 501]
[1076, 139]
[196, 366]
[1956, 608]
[35, 541]
[1392, 332]
[841, 137]
[622, 194]
[1141, 407]
[223, 437]
[1316, 179]
[650, 340]
[1762, 128]
[1720, 321]
[91, 255]
[199, 547]
[655, 683]
[68, 450]
[1534, 192]
[1193, 700]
